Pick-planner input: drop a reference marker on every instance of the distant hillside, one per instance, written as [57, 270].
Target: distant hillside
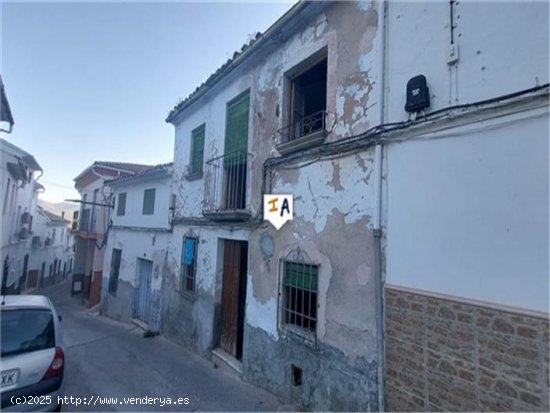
[58, 208]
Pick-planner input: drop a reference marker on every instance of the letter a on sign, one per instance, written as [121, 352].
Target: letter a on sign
[278, 209]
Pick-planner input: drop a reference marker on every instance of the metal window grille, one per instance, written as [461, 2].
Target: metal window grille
[188, 264]
[299, 304]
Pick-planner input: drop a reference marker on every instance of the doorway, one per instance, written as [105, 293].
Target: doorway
[235, 262]
[143, 292]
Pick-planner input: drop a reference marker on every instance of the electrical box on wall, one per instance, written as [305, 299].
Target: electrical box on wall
[418, 94]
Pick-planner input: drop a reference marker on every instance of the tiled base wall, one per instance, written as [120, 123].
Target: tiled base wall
[444, 355]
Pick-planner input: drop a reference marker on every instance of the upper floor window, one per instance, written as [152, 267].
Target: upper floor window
[121, 206]
[149, 201]
[197, 152]
[306, 100]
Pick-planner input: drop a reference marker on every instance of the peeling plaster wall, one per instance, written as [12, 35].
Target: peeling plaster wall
[134, 244]
[193, 318]
[333, 227]
[333, 208]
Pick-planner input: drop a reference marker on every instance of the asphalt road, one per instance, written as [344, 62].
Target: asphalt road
[106, 359]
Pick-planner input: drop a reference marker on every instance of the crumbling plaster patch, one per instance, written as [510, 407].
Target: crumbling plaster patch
[318, 189]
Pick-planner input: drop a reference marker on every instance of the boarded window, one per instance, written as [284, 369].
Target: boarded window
[121, 206]
[197, 149]
[149, 201]
[115, 268]
[236, 128]
[300, 295]
[188, 264]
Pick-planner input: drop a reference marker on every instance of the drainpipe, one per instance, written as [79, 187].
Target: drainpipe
[377, 231]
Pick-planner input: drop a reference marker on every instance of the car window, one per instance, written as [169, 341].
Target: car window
[26, 330]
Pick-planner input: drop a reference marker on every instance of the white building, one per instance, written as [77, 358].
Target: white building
[93, 223]
[52, 250]
[20, 188]
[136, 247]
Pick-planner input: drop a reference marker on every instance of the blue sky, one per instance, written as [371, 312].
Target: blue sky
[95, 81]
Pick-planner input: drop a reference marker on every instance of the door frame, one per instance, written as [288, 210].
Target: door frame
[231, 326]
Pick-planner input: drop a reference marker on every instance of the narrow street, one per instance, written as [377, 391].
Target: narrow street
[107, 359]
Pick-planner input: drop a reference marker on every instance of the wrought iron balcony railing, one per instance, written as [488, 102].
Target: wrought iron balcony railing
[303, 126]
[225, 181]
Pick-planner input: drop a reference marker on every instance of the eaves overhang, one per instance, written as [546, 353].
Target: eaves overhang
[262, 45]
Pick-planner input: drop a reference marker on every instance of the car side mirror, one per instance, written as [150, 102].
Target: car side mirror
[59, 318]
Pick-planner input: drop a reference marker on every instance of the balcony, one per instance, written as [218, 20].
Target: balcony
[225, 187]
[302, 132]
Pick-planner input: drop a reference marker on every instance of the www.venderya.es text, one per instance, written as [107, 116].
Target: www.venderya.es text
[98, 401]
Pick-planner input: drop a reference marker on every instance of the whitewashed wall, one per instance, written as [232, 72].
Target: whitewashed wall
[468, 214]
[502, 47]
[133, 216]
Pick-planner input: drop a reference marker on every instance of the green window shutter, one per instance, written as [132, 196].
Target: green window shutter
[149, 202]
[197, 148]
[236, 129]
[303, 276]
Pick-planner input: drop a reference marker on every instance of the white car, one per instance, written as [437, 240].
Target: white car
[33, 359]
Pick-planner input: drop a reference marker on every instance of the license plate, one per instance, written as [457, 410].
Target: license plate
[10, 377]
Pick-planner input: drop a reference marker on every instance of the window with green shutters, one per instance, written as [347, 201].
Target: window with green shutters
[197, 149]
[299, 304]
[149, 201]
[236, 130]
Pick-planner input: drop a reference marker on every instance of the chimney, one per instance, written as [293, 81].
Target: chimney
[62, 214]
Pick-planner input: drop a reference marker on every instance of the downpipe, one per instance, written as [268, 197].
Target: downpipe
[377, 231]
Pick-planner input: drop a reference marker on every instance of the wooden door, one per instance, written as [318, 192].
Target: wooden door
[233, 296]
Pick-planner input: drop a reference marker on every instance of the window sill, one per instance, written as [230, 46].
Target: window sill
[302, 143]
[300, 335]
[193, 176]
[188, 295]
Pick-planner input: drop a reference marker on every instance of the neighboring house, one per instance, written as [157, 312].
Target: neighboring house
[66, 210]
[137, 245]
[20, 190]
[5, 110]
[441, 207]
[93, 222]
[51, 250]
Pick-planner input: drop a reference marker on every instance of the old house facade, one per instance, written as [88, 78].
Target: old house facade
[93, 223]
[51, 250]
[396, 286]
[293, 310]
[137, 246]
[20, 188]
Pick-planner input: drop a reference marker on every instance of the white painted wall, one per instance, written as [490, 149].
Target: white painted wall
[503, 48]
[135, 244]
[468, 214]
[133, 216]
[20, 198]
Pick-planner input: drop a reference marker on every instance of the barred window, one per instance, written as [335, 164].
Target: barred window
[299, 305]
[188, 264]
